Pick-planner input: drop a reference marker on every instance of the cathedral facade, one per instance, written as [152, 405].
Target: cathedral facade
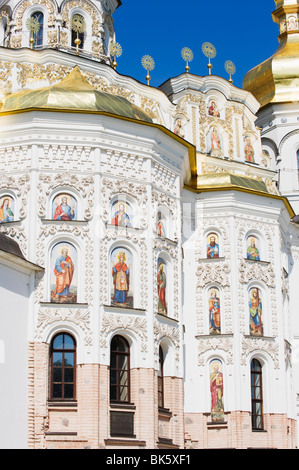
[149, 252]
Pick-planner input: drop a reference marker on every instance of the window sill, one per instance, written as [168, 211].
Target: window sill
[164, 413]
[259, 261]
[123, 406]
[118, 441]
[259, 430]
[166, 317]
[217, 425]
[62, 404]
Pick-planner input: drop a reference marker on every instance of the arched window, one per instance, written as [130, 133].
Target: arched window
[161, 380]
[120, 370]
[63, 367]
[256, 395]
[38, 36]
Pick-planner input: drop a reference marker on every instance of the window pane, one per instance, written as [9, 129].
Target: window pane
[69, 359]
[68, 391]
[57, 359]
[123, 394]
[57, 391]
[68, 375]
[113, 361]
[257, 380]
[68, 342]
[113, 395]
[123, 378]
[57, 374]
[123, 362]
[58, 342]
[113, 377]
[258, 422]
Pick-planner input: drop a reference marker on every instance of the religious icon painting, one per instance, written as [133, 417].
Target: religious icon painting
[161, 224]
[248, 150]
[213, 109]
[255, 312]
[161, 286]
[216, 389]
[6, 209]
[122, 214]
[179, 128]
[122, 278]
[64, 207]
[64, 269]
[214, 311]
[253, 252]
[215, 139]
[212, 246]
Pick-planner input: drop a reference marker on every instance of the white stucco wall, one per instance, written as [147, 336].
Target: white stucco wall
[14, 295]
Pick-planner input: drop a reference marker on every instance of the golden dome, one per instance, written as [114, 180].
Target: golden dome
[276, 80]
[72, 93]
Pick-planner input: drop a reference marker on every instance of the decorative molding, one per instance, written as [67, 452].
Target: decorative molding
[136, 324]
[83, 184]
[253, 344]
[215, 343]
[51, 315]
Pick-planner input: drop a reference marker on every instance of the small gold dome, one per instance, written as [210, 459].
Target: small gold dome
[73, 93]
[276, 80]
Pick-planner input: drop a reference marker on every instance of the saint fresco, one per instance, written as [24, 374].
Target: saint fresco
[121, 214]
[122, 293]
[64, 268]
[248, 150]
[6, 209]
[161, 224]
[161, 286]
[64, 207]
[215, 140]
[216, 388]
[212, 246]
[252, 249]
[213, 109]
[256, 312]
[179, 128]
[214, 311]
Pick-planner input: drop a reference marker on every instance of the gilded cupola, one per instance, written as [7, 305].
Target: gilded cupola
[276, 80]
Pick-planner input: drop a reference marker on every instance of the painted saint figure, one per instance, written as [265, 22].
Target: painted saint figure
[215, 139]
[255, 311]
[121, 280]
[161, 284]
[160, 225]
[64, 211]
[214, 312]
[212, 247]
[179, 128]
[120, 217]
[64, 271]
[248, 149]
[6, 213]
[252, 251]
[213, 109]
[216, 388]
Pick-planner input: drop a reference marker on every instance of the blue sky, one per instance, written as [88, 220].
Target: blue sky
[243, 32]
